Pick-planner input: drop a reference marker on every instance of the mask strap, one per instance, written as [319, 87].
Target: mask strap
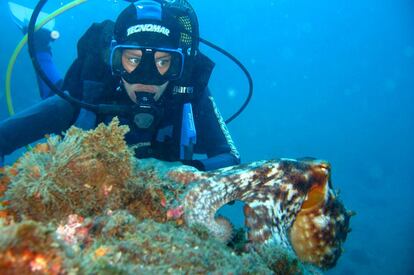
[148, 9]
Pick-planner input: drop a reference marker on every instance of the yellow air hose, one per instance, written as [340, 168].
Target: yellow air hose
[23, 42]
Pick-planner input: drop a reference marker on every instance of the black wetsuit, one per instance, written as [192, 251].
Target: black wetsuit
[55, 115]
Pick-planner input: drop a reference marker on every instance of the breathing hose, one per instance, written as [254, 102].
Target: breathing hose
[20, 46]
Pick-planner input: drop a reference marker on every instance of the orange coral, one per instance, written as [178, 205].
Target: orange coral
[101, 251]
[30, 249]
[41, 148]
[4, 182]
[185, 176]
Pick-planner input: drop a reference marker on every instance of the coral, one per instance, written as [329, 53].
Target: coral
[5, 214]
[283, 262]
[152, 194]
[72, 176]
[29, 247]
[74, 232]
[4, 181]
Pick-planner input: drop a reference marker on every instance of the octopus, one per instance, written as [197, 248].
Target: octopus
[288, 203]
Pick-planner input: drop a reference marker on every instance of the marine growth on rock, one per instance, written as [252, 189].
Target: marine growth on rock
[82, 204]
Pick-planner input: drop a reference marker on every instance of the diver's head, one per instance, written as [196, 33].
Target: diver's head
[151, 44]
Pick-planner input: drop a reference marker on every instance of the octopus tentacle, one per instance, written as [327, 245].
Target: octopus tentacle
[259, 185]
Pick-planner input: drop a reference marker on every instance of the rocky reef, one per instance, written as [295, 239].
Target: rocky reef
[83, 204]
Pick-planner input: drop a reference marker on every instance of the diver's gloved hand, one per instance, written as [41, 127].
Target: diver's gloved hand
[42, 39]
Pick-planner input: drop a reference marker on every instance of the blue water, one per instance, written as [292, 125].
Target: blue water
[333, 80]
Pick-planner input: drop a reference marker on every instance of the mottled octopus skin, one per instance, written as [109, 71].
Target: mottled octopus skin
[273, 192]
[318, 232]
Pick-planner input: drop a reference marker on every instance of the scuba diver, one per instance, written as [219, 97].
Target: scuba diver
[148, 63]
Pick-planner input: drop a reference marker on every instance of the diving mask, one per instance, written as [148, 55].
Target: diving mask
[146, 65]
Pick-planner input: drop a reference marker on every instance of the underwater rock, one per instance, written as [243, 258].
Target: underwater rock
[115, 213]
[124, 245]
[117, 243]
